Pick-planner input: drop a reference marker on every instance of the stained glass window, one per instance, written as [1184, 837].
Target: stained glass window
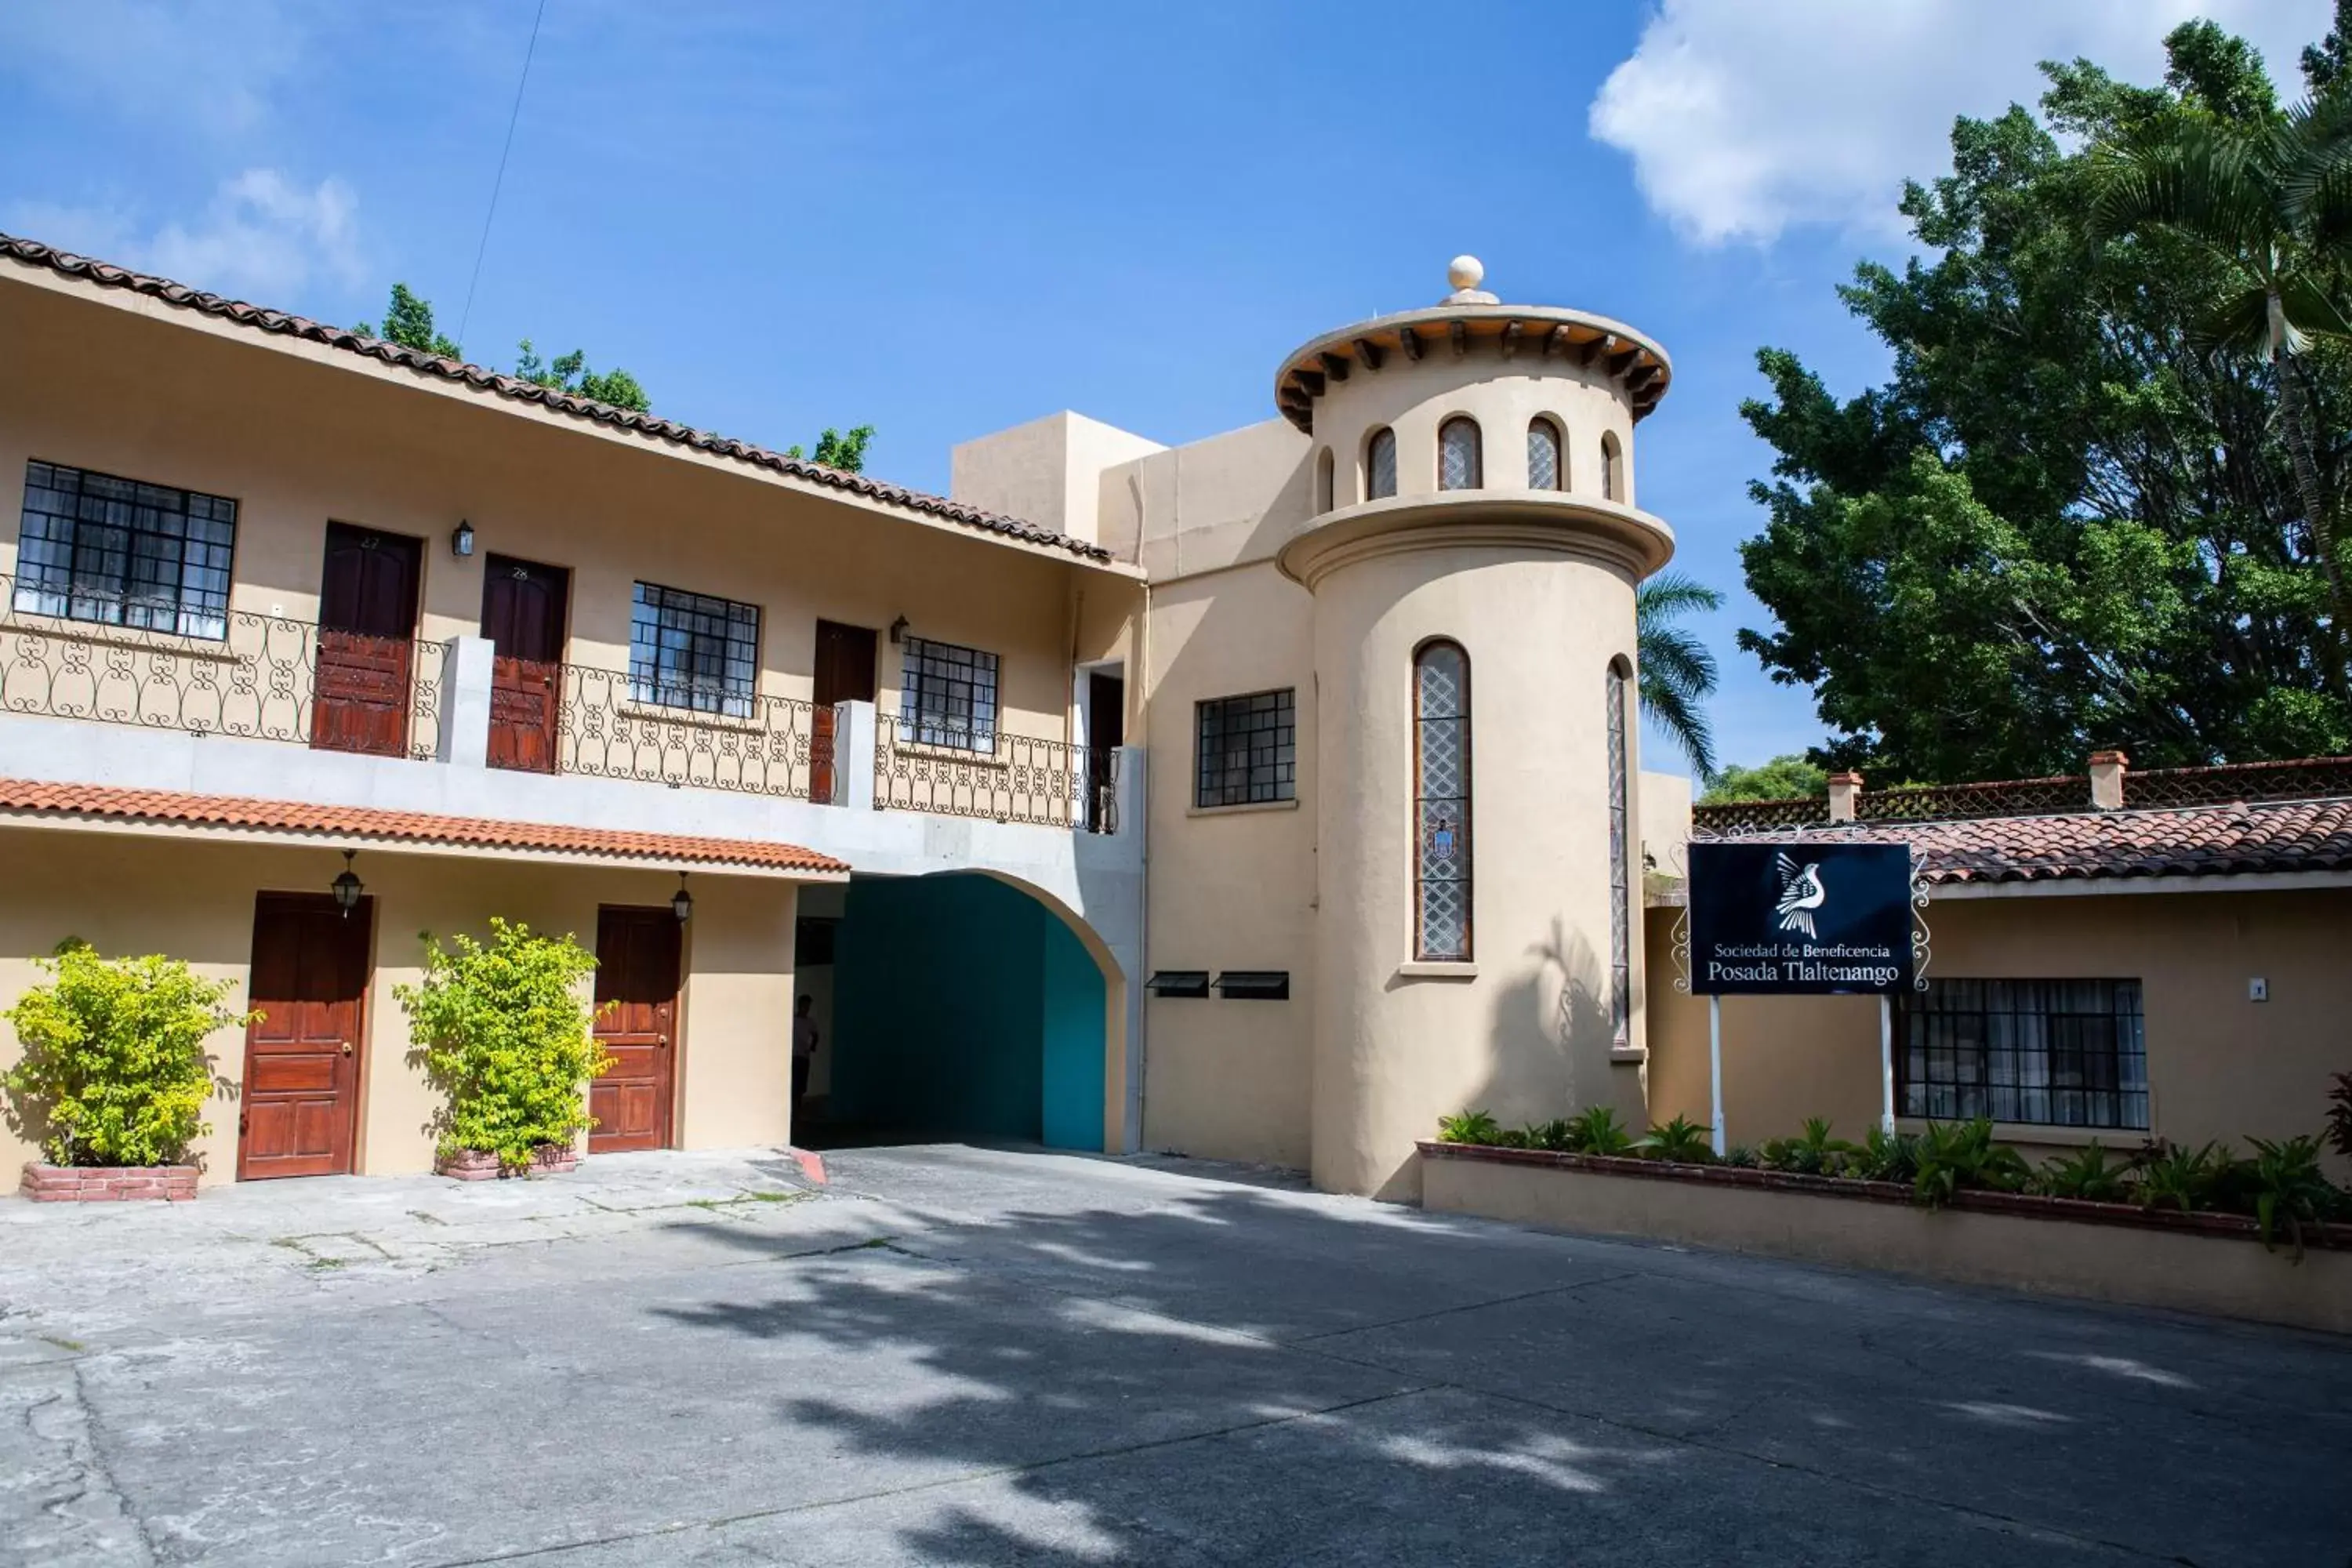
[1543, 455]
[1440, 715]
[1458, 464]
[1380, 464]
[1620, 892]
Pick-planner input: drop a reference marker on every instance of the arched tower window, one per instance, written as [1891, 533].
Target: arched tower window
[1440, 780]
[1459, 466]
[1380, 464]
[1545, 470]
[1620, 868]
[1324, 470]
[1613, 467]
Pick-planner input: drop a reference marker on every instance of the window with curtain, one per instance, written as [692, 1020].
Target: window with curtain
[2054, 1053]
[694, 651]
[1441, 738]
[1459, 466]
[1620, 868]
[947, 696]
[1545, 470]
[121, 553]
[1612, 469]
[1380, 464]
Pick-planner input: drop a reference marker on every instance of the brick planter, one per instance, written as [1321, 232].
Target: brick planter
[108, 1183]
[480, 1165]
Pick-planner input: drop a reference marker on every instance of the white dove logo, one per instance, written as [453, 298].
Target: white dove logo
[1800, 893]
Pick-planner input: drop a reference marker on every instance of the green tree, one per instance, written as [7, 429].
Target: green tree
[1790, 777]
[1678, 673]
[408, 322]
[2063, 522]
[570, 373]
[844, 450]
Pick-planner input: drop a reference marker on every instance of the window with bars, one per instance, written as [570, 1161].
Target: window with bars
[947, 696]
[122, 553]
[1621, 871]
[1248, 749]
[1380, 464]
[2053, 1053]
[1460, 464]
[693, 651]
[1441, 725]
[1545, 470]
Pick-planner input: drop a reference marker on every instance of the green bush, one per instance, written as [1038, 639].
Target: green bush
[2083, 1174]
[1740, 1156]
[1883, 1156]
[1681, 1140]
[500, 1030]
[1555, 1136]
[1954, 1155]
[1598, 1131]
[115, 1071]
[2184, 1179]
[1468, 1127]
[1816, 1153]
[2288, 1187]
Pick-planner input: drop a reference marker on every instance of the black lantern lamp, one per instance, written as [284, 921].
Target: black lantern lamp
[897, 631]
[347, 887]
[681, 903]
[461, 544]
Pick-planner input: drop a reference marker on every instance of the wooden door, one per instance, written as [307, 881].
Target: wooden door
[298, 1114]
[1106, 732]
[522, 614]
[367, 619]
[636, 968]
[845, 673]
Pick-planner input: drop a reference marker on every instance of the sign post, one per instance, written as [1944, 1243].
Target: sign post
[1800, 919]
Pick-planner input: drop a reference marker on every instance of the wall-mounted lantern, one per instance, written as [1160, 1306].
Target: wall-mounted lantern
[681, 903]
[461, 544]
[347, 887]
[897, 631]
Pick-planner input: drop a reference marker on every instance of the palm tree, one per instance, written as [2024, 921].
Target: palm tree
[2270, 201]
[1677, 673]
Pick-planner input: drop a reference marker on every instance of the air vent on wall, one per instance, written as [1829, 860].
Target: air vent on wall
[1255, 985]
[1178, 983]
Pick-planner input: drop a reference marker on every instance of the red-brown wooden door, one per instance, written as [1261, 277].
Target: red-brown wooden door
[298, 1114]
[367, 621]
[845, 673]
[522, 614]
[637, 970]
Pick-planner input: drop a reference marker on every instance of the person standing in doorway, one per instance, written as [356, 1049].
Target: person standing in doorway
[803, 1055]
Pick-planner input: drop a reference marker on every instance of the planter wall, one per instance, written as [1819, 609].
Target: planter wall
[2196, 1263]
[108, 1183]
[476, 1165]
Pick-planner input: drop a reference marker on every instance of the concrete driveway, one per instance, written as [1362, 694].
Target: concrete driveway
[966, 1356]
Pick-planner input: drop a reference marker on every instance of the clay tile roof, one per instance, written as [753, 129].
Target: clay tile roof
[2233, 839]
[33, 253]
[361, 823]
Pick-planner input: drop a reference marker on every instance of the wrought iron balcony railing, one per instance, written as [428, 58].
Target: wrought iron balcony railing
[605, 726]
[1052, 784]
[268, 679]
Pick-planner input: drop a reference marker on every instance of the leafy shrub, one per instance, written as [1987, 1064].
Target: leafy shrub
[501, 1030]
[114, 1070]
[2085, 1175]
[2184, 1179]
[1681, 1140]
[2288, 1187]
[2339, 1115]
[1598, 1131]
[1883, 1156]
[1954, 1155]
[1468, 1127]
[1512, 1138]
[1555, 1136]
[1741, 1156]
[1815, 1153]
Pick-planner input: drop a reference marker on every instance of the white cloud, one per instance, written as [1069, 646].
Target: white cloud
[209, 64]
[1745, 119]
[262, 238]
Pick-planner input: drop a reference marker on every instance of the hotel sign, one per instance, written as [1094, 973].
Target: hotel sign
[1799, 920]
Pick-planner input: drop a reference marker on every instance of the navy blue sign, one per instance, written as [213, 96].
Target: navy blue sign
[1799, 920]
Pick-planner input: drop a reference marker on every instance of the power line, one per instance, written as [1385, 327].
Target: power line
[466, 316]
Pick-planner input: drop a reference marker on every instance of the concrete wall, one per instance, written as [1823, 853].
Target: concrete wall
[1046, 471]
[141, 893]
[2219, 1066]
[2225, 1275]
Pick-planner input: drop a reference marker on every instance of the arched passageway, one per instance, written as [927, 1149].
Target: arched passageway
[953, 1006]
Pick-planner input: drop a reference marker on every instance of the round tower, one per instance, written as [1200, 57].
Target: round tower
[1472, 554]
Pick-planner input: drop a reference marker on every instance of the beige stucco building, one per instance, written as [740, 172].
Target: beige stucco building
[1265, 797]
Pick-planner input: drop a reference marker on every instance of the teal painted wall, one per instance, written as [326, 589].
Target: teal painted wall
[964, 1008]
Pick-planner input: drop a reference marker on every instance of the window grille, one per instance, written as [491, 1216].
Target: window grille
[1247, 749]
[1440, 713]
[1620, 892]
[1543, 455]
[947, 696]
[2052, 1053]
[693, 651]
[1460, 466]
[122, 553]
[1380, 464]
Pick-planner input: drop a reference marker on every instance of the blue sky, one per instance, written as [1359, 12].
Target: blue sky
[943, 219]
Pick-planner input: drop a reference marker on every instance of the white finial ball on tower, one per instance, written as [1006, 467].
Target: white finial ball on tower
[1465, 272]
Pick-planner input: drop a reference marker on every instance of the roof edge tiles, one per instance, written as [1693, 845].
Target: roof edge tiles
[110, 802]
[33, 253]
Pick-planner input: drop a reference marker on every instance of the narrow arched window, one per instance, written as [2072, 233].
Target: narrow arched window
[1324, 469]
[1613, 467]
[1380, 464]
[1621, 862]
[1545, 470]
[1441, 768]
[1458, 464]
